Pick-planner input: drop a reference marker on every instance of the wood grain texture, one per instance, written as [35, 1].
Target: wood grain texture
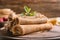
[50, 8]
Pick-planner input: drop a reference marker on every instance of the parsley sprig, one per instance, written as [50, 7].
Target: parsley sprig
[28, 11]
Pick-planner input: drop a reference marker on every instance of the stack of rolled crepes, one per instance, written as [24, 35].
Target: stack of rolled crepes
[21, 25]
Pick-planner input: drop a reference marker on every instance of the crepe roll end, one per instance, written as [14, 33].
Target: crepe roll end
[16, 30]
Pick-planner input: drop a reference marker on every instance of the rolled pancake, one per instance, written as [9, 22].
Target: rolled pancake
[25, 29]
[37, 19]
[32, 21]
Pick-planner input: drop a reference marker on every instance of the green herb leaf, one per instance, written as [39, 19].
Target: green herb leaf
[32, 13]
[27, 12]
[27, 9]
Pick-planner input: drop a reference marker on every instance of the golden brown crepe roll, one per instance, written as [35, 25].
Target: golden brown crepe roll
[25, 29]
[32, 20]
[36, 19]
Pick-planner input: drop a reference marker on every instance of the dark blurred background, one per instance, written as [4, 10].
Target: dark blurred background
[50, 8]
